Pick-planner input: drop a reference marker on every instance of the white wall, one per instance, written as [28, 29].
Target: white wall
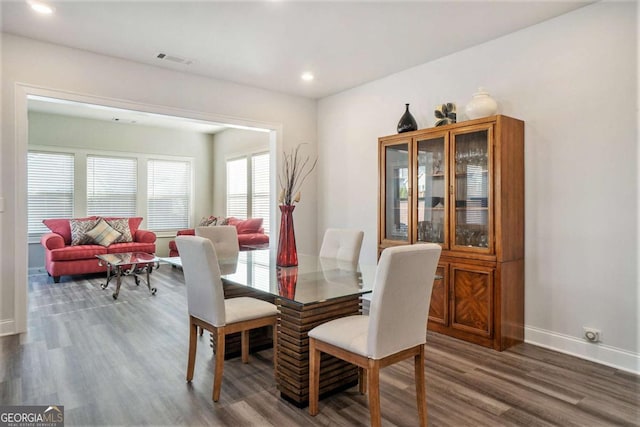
[79, 74]
[227, 144]
[573, 81]
[75, 133]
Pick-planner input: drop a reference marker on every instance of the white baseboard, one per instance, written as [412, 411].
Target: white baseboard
[596, 352]
[7, 327]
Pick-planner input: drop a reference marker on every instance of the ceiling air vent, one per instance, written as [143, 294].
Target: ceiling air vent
[174, 58]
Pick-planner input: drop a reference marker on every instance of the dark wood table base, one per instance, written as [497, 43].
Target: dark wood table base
[294, 322]
[293, 351]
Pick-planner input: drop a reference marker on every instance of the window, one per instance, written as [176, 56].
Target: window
[49, 188]
[248, 188]
[111, 186]
[237, 190]
[260, 189]
[168, 194]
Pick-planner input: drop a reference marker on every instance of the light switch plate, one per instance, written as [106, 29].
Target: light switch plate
[1, 204]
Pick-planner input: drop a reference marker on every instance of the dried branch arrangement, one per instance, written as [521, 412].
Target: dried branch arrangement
[295, 170]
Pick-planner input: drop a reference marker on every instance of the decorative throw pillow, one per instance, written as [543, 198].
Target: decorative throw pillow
[103, 234]
[79, 228]
[224, 221]
[207, 221]
[121, 225]
[249, 226]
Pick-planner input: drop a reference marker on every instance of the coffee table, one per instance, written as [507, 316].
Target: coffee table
[136, 264]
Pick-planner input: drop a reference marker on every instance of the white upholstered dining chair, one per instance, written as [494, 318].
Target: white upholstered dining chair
[342, 243]
[224, 239]
[225, 243]
[394, 330]
[208, 309]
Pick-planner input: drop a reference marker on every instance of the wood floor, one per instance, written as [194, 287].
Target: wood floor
[124, 362]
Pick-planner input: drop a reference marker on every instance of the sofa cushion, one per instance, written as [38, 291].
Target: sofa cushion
[249, 226]
[79, 228]
[103, 234]
[73, 253]
[253, 239]
[62, 227]
[118, 248]
[121, 225]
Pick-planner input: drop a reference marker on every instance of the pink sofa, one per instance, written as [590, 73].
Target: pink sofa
[62, 258]
[250, 234]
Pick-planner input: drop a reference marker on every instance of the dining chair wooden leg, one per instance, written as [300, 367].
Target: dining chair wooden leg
[275, 349]
[193, 343]
[314, 377]
[217, 380]
[362, 381]
[244, 345]
[421, 392]
[373, 383]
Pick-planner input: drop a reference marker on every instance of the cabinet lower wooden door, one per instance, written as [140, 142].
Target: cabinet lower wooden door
[439, 306]
[472, 299]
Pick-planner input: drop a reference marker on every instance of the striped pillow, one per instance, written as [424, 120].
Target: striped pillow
[103, 234]
[79, 228]
[122, 226]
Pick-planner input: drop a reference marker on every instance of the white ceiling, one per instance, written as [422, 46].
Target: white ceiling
[269, 44]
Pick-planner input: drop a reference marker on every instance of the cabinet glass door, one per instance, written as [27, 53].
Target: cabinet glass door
[431, 190]
[472, 163]
[397, 192]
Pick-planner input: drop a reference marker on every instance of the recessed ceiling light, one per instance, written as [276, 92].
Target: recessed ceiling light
[307, 77]
[40, 7]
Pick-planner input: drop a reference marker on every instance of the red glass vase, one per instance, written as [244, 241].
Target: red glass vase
[287, 280]
[287, 253]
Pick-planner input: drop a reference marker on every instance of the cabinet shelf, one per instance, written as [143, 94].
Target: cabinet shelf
[464, 174]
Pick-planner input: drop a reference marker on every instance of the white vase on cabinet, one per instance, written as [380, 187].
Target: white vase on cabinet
[481, 105]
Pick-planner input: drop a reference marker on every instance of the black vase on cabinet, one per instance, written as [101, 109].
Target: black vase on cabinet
[407, 123]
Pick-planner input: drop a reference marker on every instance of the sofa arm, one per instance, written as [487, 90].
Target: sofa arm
[144, 236]
[52, 241]
[187, 232]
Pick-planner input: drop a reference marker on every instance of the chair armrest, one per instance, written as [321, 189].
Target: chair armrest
[187, 232]
[144, 236]
[52, 241]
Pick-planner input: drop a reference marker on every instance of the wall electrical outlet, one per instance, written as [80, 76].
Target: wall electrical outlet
[591, 334]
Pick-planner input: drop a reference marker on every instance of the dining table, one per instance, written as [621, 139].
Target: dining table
[315, 291]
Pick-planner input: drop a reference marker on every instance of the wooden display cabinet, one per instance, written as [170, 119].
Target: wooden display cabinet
[462, 186]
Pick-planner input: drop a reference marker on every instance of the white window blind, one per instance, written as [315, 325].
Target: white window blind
[49, 188]
[237, 190]
[168, 194]
[260, 189]
[111, 186]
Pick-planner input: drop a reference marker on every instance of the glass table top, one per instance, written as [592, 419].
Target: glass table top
[313, 280]
[128, 258]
